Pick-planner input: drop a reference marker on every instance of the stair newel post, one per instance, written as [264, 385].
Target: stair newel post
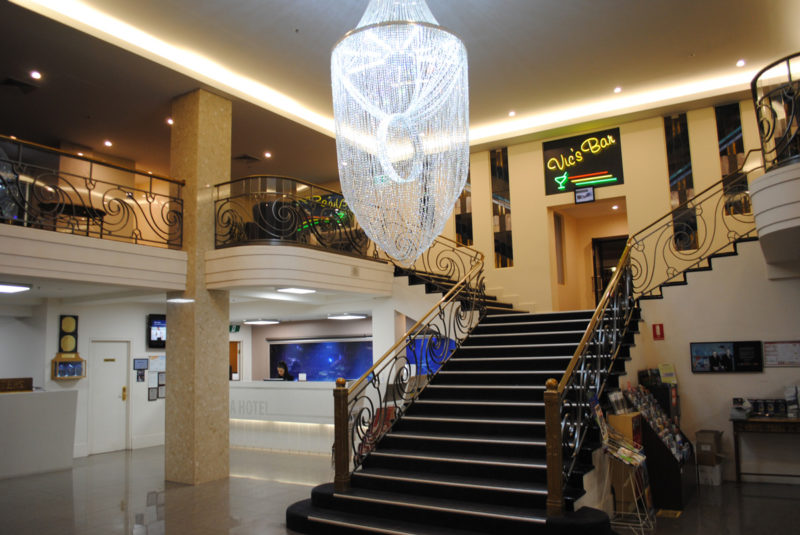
[341, 444]
[555, 477]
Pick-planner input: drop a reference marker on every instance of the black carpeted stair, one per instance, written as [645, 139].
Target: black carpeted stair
[468, 456]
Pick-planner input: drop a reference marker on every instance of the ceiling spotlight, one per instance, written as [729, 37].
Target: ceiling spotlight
[615, 207]
[298, 291]
[618, 89]
[267, 155]
[180, 300]
[36, 75]
[80, 154]
[261, 322]
[512, 113]
[346, 316]
[13, 137]
[170, 121]
[740, 63]
[11, 288]
[107, 143]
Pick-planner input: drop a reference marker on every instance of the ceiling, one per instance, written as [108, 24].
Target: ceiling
[554, 62]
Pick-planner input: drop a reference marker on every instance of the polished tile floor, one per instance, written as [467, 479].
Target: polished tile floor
[125, 493]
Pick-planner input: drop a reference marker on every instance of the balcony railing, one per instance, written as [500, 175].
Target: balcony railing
[776, 95]
[46, 188]
[282, 210]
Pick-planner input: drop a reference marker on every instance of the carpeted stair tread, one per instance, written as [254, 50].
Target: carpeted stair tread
[467, 438]
[436, 386]
[523, 487]
[534, 516]
[522, 373]
[480, 402]
[466, 458]
[476, 420]
[329, 521]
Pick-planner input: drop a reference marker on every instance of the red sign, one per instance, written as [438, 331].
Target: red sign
[658, 331]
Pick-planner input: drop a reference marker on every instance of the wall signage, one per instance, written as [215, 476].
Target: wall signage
[576, 162]
[583, 195]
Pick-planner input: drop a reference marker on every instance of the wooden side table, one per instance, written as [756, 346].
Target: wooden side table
[761, 425]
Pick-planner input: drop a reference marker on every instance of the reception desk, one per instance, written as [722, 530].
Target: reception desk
[282, 415]
[37, 431]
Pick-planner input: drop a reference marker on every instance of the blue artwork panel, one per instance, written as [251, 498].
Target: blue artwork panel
[428, 357]
[322, 361]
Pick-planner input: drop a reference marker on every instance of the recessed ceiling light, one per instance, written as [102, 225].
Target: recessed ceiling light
[615, 207]
[298, 291]
[11, 288]
[13, 137]
[36, 75]
[346, 316]
[618, 89]
[267, 155]
[740, 63]
[170, 121]
[512, 113]
[80, 154]
[180, 300]
[261, 322]
[107, 143]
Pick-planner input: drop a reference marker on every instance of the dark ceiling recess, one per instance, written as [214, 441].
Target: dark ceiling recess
[245, 158]
[25, 87]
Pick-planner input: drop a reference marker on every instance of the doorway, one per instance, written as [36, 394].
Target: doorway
[606, 253]
[108, 396]
[234, 359]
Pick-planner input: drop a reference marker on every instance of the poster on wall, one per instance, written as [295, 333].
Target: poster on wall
[782, 354]
[581, 161]
[727, 357]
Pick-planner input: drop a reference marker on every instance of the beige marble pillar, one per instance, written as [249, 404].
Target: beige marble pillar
[196, 434]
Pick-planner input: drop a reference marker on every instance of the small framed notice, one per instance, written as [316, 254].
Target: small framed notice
[782, 354]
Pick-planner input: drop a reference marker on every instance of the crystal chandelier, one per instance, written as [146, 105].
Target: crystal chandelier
[401, 107]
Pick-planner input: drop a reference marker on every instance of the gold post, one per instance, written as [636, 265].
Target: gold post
[341, 446]
[555, 468]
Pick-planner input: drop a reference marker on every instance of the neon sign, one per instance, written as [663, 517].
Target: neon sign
[576, 162]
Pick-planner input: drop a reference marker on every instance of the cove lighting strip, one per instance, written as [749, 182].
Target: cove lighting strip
[82, 16]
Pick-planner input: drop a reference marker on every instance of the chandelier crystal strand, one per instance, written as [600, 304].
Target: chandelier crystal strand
[401, 108]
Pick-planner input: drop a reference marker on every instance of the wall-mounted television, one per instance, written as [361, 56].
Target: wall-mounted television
[156, 331]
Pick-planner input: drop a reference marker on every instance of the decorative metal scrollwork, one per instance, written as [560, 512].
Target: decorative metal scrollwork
[382, 395]
[776, 96]
[282, 210]
[44, 188]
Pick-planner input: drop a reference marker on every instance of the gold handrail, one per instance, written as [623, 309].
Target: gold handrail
[476, 267]
[601, 307]
[91, 160]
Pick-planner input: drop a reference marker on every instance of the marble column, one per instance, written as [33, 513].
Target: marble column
[196, 434]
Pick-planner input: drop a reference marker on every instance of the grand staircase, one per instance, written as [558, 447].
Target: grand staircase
[468, 456]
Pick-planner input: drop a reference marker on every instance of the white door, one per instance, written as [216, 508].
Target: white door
[108, 405]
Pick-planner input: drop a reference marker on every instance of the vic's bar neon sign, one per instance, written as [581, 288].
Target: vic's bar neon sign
[589, 179]
[589, 160]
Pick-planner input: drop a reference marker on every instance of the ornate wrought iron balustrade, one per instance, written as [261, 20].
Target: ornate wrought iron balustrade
[776, 95]
[365, 411]
[658, 254]
[49, 189]
[664, 250]
[282, 210]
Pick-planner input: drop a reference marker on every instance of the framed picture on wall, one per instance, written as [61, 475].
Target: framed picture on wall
[727, 357]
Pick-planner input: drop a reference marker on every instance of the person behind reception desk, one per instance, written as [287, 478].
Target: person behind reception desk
[283, 372]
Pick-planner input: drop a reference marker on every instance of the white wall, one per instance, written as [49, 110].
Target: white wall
[22, 346]
[121, 322]
[734, 301]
